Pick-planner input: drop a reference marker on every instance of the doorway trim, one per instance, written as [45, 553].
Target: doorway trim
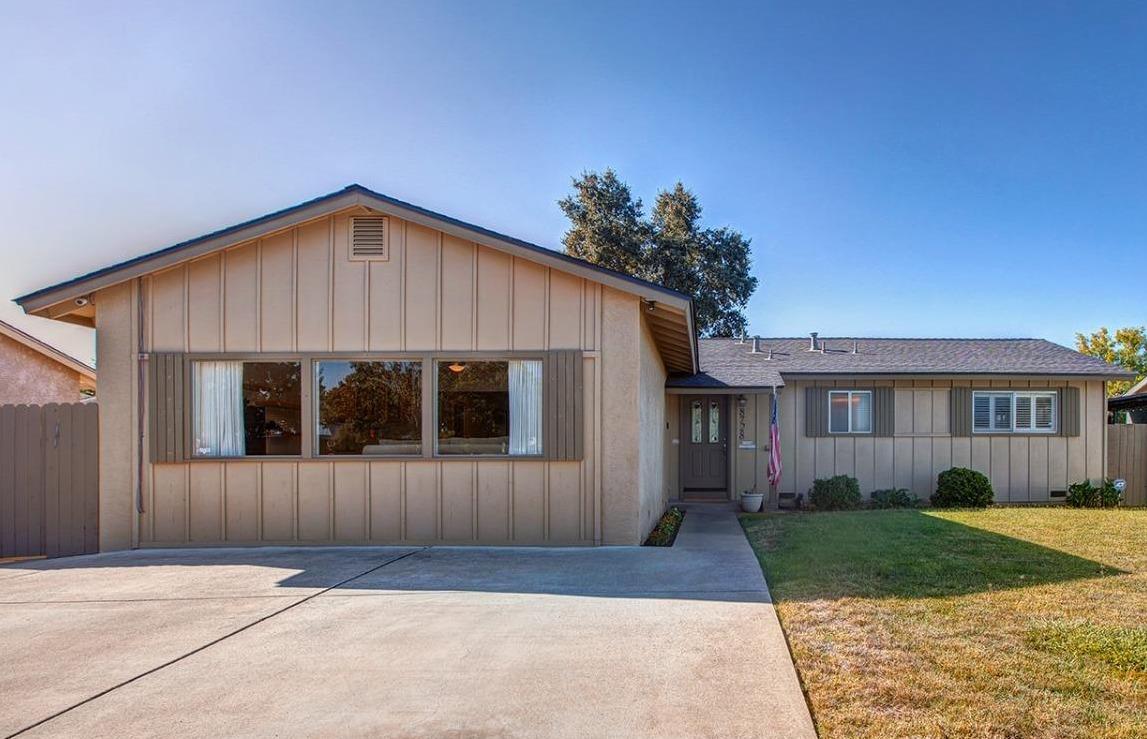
[684, 434]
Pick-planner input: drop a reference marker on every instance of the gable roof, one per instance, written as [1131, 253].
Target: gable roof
[30, 341]
[670, 312]
[730, 363]
[1137, 388]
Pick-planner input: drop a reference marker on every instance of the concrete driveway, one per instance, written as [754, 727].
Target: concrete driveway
[401, 641]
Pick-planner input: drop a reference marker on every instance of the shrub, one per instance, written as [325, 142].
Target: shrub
[893, 498]
[961, 487]
[840, 493]
[1085, 495]
[665, 532]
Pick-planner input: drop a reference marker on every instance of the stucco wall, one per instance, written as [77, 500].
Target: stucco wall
[116, 389]
[620, 451]
[650, 432]
[31, 378]
[297, 291]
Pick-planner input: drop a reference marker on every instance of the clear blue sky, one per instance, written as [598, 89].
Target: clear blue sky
[903, 169]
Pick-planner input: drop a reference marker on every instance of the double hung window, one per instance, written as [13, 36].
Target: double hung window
[850, 411]
[1013, 412]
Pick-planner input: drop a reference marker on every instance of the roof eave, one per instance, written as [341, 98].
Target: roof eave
[40, 302]
[811, 375]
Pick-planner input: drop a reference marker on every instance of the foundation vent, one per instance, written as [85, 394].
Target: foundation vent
[368, 238]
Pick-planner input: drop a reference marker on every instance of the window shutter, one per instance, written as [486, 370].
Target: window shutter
[816, 411]
[167, 407]
[1023, 412]
[368, 238]
[1044, 413]
[961, 411]
[563, 386]
[1068, 411]
[883, 411]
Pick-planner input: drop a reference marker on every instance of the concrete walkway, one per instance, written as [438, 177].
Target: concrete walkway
[624, 641]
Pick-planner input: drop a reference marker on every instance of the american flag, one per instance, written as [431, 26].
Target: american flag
[774, 445]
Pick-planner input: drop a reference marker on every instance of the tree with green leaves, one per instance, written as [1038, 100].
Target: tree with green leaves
[671, 248]
[1127, 348]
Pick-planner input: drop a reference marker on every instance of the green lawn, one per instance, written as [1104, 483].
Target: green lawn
[1009, 622]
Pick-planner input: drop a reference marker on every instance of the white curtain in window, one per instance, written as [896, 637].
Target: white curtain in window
[862, 412]
[218, 412]
[525, 406]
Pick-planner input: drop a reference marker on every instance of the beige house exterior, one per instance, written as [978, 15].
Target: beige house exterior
[1023, 469]
[290, 287]
[607, 370]
[922, 434]
[33, 372]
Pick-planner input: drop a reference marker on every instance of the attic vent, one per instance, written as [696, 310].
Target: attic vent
[368, 238]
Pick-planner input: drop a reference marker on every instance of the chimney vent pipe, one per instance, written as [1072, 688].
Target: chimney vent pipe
[756, 345]
[812, 345]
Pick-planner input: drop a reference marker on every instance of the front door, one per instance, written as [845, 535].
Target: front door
[704, 447]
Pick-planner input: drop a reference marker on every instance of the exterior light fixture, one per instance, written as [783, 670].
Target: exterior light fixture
[456, 367]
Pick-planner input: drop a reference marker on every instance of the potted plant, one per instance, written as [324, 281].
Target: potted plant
[751, 501]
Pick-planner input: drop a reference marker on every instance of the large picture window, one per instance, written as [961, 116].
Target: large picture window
[850, 412]
[369, 407]
[246, 409]
[490, 407]
[1009, 412]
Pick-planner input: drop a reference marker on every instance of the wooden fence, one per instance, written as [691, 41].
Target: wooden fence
[49, 480]
[1127, 460]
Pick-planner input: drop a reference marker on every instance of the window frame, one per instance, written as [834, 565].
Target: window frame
[849, 394]
[445, 357]
[1013, 430]
[309, 410]
[252, 358]
[312, 364]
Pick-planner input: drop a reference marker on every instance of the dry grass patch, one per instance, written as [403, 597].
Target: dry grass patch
[1010, 622]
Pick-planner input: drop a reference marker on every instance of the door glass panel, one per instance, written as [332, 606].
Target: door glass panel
[695, 421]
[714, 422]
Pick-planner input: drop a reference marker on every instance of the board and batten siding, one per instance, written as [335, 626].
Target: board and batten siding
[1022, 467]
[297, 291]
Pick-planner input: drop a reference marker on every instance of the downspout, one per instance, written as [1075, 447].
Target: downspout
[141, 398]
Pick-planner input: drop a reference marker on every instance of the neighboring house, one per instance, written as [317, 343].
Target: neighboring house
[33, 372]
[1133, 403]
[357, 369]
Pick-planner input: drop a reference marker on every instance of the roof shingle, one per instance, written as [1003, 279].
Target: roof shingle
[729, 363]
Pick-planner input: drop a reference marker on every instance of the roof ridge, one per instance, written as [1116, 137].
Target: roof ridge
[351, 188]
[880, 338]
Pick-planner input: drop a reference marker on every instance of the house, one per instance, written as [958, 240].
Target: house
[357, 369]
[1027, 413]
[1132, 403]
[33, 372]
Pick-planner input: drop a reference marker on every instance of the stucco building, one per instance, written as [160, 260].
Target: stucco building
[32, 372]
